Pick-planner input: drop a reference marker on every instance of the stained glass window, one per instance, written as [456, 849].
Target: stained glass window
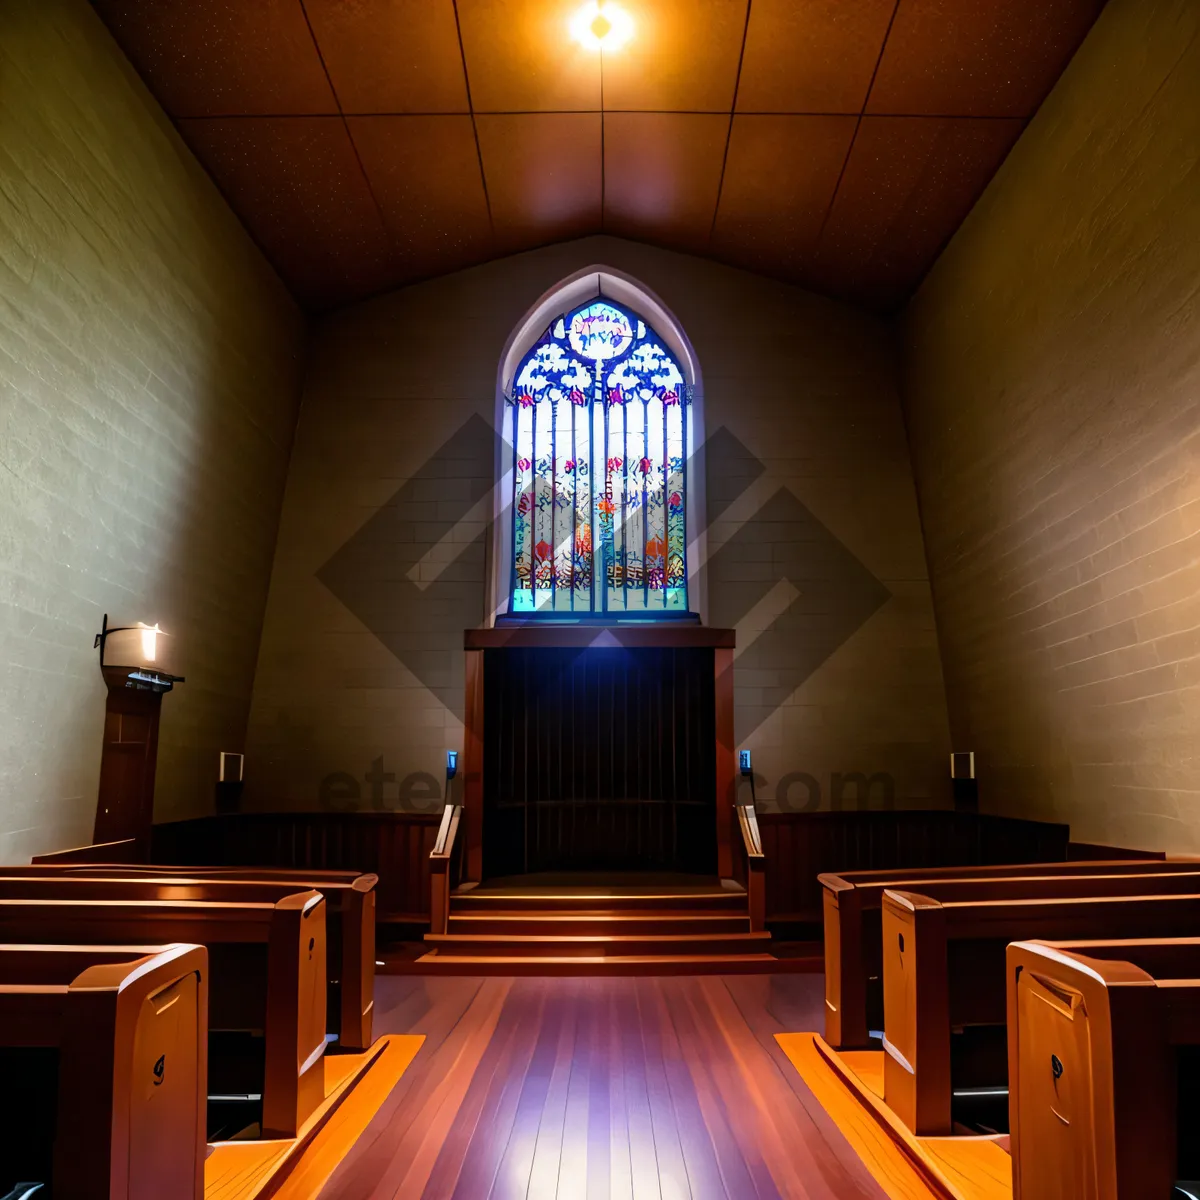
[600, 434]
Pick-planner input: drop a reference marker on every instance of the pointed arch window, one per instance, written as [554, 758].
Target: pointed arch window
[600, 435]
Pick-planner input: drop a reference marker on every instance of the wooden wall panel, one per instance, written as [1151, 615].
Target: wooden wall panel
[798, 846]
[801, 846]
[395, 846]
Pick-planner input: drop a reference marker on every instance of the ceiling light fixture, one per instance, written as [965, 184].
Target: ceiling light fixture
[601, 26]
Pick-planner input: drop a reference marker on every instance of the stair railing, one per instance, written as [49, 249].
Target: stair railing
[441, 868]
[756, 864]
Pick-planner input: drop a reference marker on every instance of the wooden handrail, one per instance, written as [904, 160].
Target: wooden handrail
[443, 845]
[756, 861]
[439, 868]
[751, 838]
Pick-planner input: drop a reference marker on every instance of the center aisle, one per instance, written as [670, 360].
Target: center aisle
[575, 1087]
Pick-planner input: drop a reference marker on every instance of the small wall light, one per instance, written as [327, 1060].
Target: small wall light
[451, 763]
[142, 652]
[747, 772]
[601, 25]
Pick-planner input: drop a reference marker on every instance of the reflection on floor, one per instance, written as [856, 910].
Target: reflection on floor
[355, 1087]
[599, 1087]
[850, 1086]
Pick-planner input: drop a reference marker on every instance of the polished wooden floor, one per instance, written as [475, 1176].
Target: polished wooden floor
[658, 1087]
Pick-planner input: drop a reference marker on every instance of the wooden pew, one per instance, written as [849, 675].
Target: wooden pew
[349, 912]
[853, 903]
[1095, 1034]
[944, 967]
[266, 972]
[104, 1052]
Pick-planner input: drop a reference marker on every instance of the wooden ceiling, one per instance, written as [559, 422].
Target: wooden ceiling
[369, 143]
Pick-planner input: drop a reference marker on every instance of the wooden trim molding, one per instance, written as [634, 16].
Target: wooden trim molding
[726, 789]
[473, 767]
[536, 636]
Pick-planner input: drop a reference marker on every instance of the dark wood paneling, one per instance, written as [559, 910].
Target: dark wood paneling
[394, 846]
[128, 762]
[801, 846]
[599, 759]
[1090, 852]
[472, 767]
[798, 847]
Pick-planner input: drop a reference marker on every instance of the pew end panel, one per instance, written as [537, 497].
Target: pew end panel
[130, 1030]
[1092, 1077]
[295, 1031]
[845, 966]
[916, 1063]
[357, 974]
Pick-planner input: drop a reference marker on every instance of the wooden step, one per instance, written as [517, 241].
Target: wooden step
[622, 964]
[556, 924]
[599, 901]
[605, 945]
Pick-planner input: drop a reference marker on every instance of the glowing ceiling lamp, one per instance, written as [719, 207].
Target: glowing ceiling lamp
[601, 26]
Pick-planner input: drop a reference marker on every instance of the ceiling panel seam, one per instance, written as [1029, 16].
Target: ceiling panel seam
[858, 124]
[383, 225]
[487, 199]
[737, 80]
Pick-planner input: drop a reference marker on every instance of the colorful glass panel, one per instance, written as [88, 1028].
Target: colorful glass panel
[599, 410]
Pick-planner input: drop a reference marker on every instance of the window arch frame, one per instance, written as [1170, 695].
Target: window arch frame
[590, 284]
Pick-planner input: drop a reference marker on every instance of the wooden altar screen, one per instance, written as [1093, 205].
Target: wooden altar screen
[505, 667]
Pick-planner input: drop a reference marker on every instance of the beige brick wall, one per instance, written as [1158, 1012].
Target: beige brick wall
[148, 385]
[360, 667]
[1053, 401]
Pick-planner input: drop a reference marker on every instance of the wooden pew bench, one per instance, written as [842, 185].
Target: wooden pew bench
[1104, 1063]
[853, 904]
[944, 970]
[349, 912]
[104, 1060]
[266, 979]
